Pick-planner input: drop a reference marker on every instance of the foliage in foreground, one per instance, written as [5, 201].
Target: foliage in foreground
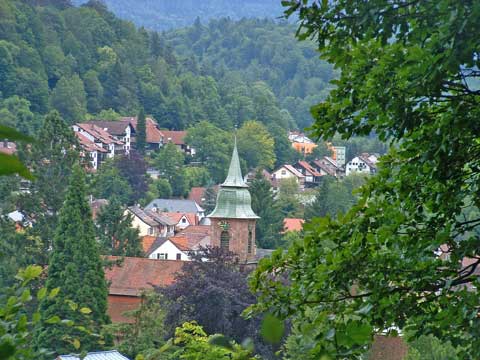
[408, 70]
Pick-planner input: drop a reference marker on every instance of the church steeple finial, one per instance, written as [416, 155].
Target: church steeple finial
[234, 177]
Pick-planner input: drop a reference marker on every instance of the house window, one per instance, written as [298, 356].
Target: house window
[179, 256]
[184, 220]
[150, 231]
[284, 172]
[225, 240]
[162, 256]
[250, 241]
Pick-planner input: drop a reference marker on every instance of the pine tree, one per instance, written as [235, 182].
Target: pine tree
[141, 136]
[210, 196]
[115, 232]
[50, 159]
[76, 268]
[270, 224]
[317, 208]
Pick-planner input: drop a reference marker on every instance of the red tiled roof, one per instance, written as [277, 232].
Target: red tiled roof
[135, 275]
[153, 134]
[7, 147]
[147, 242]
[196, 234]
[176, 217]
[294, 171]
[308, 168]
[326, 166]
[111, 126]
[98, 133]
[196, 194]
[87, 144]
[176, 137]
[181, 242]
[292, 224]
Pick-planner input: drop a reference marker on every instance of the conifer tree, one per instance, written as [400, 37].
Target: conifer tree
[141, 132]
[76, 268]
[115, 232]
[270, 224]
[210, 199]
[50, 159]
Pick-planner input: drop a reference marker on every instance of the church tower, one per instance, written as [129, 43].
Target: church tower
[233, 220]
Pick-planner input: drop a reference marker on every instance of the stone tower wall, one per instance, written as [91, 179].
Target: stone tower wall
[238, 231]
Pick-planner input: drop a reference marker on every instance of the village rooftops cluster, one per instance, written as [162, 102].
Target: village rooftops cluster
[102, 139]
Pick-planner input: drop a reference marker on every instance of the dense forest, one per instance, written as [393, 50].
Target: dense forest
[254, 50]
[86, 55]
[167, 14]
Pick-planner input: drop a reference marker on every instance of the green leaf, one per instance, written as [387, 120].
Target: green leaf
[7, 349]
[41, 293]
[53, 320]
[8, 133]
[220, 340]
[360, 333]
[31, 272]
[36, 317]
[76, 344]
[10, 165]
[272, 329]
[53, 293]
[85, 310]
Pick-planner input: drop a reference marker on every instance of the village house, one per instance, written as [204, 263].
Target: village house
[172, 248]
[7, 147]
[287, 172]
[181, 220]
[328, 166]
[312, 176]
[301, 143]
[121, 130]
[97, 144]
[153, 136]
[178, 138]
[130, 277]
[150, 223]
[96, 355]
[176, 206]
[365, 164]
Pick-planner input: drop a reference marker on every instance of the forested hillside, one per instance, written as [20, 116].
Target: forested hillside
[84, 61]
[251, 50]
[167, 14]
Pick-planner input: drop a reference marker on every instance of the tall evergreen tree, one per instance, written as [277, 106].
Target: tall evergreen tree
[115, 231]
[76, 268]
[141, 132]
[210, 196]
[50, 159]
[270, 224]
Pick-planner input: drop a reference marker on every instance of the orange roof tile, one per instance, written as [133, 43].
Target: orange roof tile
[181, 242]
[153, 134]
[176, 137]
[135, 274]
[292, 224]
[147, 242]
[176, 217]
[87, 144]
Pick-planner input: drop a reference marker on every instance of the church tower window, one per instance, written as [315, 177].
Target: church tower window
[225, 240]
[250, 240]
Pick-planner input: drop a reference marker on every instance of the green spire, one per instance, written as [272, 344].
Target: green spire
[233, 198]
[234, 177]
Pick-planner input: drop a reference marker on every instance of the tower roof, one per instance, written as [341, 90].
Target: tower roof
[234, 177]
[233, 199]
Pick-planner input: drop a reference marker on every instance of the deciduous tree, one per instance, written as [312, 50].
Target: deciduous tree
[406, 73]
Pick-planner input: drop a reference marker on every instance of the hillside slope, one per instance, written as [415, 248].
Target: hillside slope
[168, 14]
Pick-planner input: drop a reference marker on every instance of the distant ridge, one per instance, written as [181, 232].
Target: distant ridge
[168, 14]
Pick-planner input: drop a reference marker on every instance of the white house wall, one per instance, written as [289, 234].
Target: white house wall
[171, 250]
